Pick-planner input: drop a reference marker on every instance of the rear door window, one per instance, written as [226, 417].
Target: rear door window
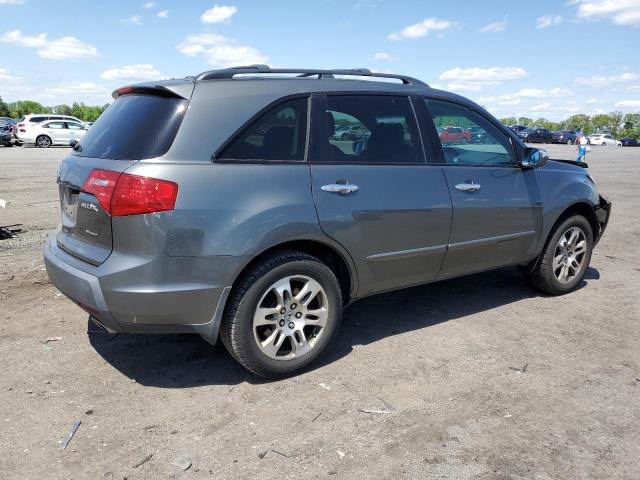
[279, 134]
[368, 129]
[134, 127]
[55, 125]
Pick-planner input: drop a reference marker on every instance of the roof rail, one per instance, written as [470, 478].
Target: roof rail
[227, 73]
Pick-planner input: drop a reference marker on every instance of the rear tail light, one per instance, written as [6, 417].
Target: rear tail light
[20, 125]
[123, 194]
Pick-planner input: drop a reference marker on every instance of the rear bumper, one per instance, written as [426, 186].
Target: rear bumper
[143, 299]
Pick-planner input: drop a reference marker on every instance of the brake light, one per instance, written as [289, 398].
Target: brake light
[122, 194]
[20, 125]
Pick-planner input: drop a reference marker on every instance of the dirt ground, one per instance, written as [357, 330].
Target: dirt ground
[478, 377]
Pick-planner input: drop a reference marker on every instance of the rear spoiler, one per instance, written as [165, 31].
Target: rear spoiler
[181, 90]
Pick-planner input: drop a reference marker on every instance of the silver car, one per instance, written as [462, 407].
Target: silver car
[223, 205]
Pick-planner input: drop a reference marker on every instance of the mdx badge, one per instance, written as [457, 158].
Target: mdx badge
[89, 206]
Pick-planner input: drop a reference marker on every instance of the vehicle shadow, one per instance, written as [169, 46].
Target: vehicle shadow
[183, 361]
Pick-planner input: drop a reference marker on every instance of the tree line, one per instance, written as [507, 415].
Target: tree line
[87, 113]
[616, 123]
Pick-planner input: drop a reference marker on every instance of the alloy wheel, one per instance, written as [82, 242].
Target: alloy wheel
[290, 317]
[568, 257]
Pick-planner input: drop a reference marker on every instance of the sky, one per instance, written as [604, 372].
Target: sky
[546, 58]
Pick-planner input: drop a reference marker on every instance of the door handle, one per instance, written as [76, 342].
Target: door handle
[342, 188]
[468, 187]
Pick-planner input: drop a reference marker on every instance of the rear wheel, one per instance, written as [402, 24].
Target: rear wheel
[282, 315]
[43, 141]
[565, 257]
[603, 144]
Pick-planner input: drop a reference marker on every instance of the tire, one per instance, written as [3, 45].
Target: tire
[603, 144]
[43, 141]
[569, 142]
[8, 144]
[243, 338]
[463, 141]
[543, 276]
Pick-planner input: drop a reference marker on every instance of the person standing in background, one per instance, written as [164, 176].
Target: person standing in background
[582, 145]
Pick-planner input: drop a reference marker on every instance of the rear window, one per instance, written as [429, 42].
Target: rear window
[134, 127]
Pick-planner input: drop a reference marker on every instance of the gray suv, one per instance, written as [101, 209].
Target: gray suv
[225, 205]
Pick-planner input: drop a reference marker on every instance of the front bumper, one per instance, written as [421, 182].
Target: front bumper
[119, 303]
[603, 213]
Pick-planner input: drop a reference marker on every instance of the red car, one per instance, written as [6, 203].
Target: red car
[454, 135]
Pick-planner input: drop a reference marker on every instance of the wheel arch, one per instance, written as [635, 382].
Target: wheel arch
[339, 262]
[583, 208]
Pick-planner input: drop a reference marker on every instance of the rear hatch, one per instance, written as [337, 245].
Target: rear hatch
[140, 124]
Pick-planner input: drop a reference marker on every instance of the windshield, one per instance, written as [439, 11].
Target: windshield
[529, 130]
[134, 127]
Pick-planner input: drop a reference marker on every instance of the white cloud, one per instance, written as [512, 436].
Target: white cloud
[526, 93]
[65, 48]
[131, 72]
[162, 14]
[11, 2]
[132, 20]
[383, 56]
[494, 27]
[598, 81]
[16, 37]
[548, 21]
[423, 28]
[221, 51]
[219, 13]
[620, 12]
[149, 5]
[79, 88]
[68, 48]
[474, 79]
[630, 104]
[6, 77]
[633, 88]
[592, 101]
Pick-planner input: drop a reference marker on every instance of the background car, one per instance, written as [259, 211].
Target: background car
[565, 136]
[604, 139]
[353, 132]
[517, 128]
[50, 133]
[478, 135]
[454, 135]
[629, 142]
[536, 135]
[28, 120]
[6, 131]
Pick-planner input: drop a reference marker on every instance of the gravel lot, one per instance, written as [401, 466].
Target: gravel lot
[441, 360]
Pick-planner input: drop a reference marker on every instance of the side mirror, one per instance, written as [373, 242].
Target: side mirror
[73, 142]
[534, 158]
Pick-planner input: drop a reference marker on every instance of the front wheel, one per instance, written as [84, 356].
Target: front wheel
[282, 315]
[569, 142]
[565, 257]
[43, 141]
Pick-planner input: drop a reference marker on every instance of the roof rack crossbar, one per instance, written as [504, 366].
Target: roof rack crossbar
[227, 73]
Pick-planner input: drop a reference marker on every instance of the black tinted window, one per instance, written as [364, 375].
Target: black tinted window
[134, 127]
[476, 140]
[368, 129]
[279, 134]
[38, 119]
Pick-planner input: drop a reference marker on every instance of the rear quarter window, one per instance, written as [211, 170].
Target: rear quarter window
[134, 127]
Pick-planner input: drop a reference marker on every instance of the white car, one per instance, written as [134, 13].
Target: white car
[53, 132]
[603, 139]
